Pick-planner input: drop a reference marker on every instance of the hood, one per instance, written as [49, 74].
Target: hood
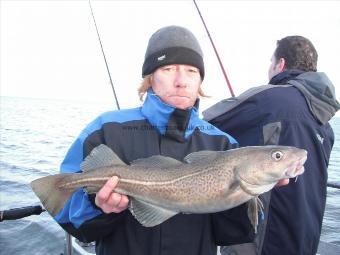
[319, 93]
[316, 87]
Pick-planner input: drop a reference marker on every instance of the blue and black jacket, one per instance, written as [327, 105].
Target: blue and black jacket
[153, 129]
[293, 110]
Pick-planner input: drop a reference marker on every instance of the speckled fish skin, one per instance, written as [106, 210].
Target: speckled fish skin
[211, 186]
[207, 181]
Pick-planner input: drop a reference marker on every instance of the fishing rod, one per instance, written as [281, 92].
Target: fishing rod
[18, 213]
[217, 55]
[333, 185]
[107, 67]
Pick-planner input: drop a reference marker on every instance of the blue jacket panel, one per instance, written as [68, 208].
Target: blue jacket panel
[153, 129]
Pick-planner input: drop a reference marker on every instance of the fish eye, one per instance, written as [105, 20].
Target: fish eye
[277, 155]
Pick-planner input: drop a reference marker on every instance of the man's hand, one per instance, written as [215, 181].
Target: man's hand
[110, 201]
[282, 182]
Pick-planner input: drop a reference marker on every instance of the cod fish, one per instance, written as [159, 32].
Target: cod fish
[160, 187]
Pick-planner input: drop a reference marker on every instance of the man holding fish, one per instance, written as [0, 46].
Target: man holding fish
[171, 169]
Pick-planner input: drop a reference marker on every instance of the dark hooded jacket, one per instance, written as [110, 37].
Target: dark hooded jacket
[293, 111]
[153, 129]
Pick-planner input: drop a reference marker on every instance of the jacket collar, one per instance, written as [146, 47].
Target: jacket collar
[319, 93]
[168, 120]
[283, 77]
[316, 88]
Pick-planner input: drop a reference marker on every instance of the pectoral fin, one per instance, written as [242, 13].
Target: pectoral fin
[147, 214]
[255, 206]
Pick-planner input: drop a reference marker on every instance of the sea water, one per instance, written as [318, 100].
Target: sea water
[35, 135]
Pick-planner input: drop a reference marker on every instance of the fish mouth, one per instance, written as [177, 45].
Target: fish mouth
[296, 168]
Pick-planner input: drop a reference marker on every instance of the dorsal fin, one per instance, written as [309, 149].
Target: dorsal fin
[147, 214]
[100, 156]
[156, 161]
[203, 156]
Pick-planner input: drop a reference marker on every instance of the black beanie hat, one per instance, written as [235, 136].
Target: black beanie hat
[172, 45]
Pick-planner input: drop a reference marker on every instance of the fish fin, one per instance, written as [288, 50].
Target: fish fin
[202, 156]
[91, 190]
[147, 214]
[157, 161]
[100, 156]
[255, 206]
[51, 196]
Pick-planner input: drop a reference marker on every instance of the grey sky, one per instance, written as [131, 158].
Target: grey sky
[50, 49]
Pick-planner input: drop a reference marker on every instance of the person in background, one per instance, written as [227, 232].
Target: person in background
[166, 124]
[293, 110]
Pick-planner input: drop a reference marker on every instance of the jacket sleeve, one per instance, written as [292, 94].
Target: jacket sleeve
[80, 217]
[232, 226]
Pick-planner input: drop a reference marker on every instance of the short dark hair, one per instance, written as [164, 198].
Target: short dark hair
[298, 53]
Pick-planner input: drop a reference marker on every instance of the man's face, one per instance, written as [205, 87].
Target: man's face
[177, 85]
[274, 68]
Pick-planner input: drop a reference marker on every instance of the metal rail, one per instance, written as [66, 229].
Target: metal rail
[333, 185]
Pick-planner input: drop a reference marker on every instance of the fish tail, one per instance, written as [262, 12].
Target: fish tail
[51, 192]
